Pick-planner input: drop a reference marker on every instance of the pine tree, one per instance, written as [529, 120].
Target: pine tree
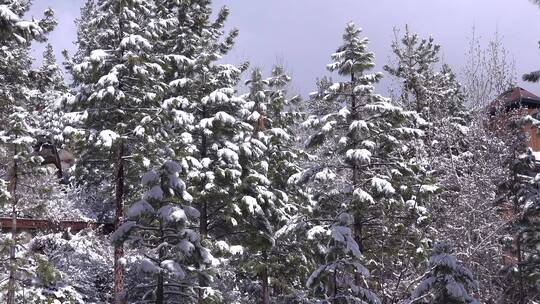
[87, 32]
[160, 225]
[447, 280]
[48, 90]
[338, 278]
[366, 166]
[518, 199]
[414, 66]
[200, 94]
[270, 202]
[118, 102]
[17, 135]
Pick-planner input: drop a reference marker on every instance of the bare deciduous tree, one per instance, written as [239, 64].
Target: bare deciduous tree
[489, 70]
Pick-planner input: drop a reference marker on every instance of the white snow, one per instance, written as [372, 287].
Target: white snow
[216, 96]
[98, 56]
[150, 178]
[280, 133]
[362, 196]
[122, 231]
[139, 209]
[154, 194]
[224, 118]
[181, 60]
[173, 268]
[110, 79]
[136, 41]
[192, 212]
[148, 266]
[228, 155]
[7, 14]
[106, 138]
[314, 231]
[358, 125]
[359, 156]
[180, 83]
[428, 189]
[382, 185]
[252, 204]
[325, 175]
[172, 214]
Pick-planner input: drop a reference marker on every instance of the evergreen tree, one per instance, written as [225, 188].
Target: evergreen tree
[160, 225]
[366, 166]
[45, 97]
[87, 32]
[338, 278]
[271, 203]
[447, 281]
[414, 66]
[118, 102]
[518, 200]
[200, 94]
[17, 135]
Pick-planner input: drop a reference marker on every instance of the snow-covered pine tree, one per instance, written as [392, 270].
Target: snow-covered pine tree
[17, 135]
[48, 90]
[447, 281]
[270, 203]
[338, 277]
[87, 32]
[317, 104]
[518, 199]
[365, 167]
[200, 94]
[210, 121]
[18, 139]
[162, 226]
[415, 59]
[117, 103]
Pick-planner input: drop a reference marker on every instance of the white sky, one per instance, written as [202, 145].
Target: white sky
[303, 33]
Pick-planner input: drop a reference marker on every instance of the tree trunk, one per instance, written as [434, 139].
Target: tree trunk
[335, 291]
[12, 252]
[119, 217]
[522, 295]
[160, 289]
[264, 281]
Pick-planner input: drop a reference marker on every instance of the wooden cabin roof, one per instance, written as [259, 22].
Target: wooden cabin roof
[514, 99]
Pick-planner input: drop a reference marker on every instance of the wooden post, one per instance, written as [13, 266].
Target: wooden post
[119, 217]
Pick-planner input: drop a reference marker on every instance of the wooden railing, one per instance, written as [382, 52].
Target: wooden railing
[25, 224]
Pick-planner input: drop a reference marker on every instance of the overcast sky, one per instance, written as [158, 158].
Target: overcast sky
[303, 33]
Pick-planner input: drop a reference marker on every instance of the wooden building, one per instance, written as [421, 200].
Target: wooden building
[512, 104]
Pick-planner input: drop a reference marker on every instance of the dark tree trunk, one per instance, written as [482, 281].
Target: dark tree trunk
[119, 217]
[264, 281]
[522, 295]
[160, 289]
